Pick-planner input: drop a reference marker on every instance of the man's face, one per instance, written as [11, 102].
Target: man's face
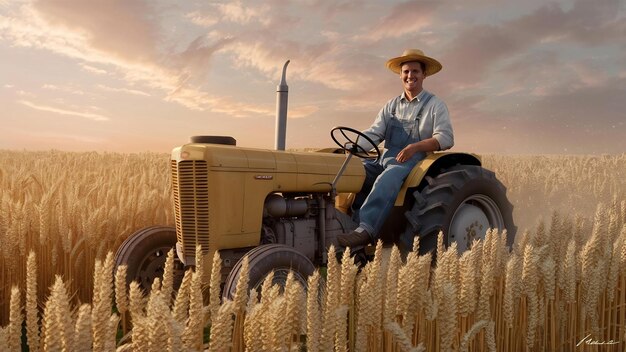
[412, 76]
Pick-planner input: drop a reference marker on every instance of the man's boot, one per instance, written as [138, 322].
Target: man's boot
[356, 238]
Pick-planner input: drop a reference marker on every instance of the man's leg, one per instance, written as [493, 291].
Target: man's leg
[372, 170]
[377, 205]
[379, 202]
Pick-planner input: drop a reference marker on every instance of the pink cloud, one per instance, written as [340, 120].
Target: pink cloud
[405, 18]
[237, 12]
[327, 63]
[479, 49]
[62, 111]
[121, 27]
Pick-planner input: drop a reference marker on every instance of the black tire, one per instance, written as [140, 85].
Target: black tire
[462, 202]
[144, 253]
[263, 260]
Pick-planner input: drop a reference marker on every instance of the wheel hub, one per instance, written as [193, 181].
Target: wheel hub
[151, 267]
[471, 220]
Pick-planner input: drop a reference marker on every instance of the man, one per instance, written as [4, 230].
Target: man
[412, 124]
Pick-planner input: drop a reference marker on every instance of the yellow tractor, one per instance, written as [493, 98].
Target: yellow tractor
[284, 209]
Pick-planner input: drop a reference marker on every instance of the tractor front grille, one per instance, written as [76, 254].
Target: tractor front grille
[191, 205]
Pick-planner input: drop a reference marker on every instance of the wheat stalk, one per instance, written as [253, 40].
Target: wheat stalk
[157, 319]
[252, 338]
[103, 294]
[314, 316]
[345, 305]
[83, 340]
[180, 311]
[530, 280]
[53, 330]
[121, 294]
[15, 320]
[240, 299]
[294, 297]
[32, 311]
[333, 284]
[192, 335]
[214, 288]
[512, 290]
[168, 276]
[137, 304]
[466, 293]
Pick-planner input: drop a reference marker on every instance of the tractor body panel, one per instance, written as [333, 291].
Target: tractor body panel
[440, 160]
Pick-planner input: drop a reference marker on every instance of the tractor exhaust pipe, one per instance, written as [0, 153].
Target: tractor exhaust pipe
[282, 93]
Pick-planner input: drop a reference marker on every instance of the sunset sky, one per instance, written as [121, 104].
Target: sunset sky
[529, 76]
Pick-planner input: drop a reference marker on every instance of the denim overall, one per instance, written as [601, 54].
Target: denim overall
[385, 177]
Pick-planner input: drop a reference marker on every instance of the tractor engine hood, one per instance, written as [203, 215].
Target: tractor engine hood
[285, 171]
[220, 190]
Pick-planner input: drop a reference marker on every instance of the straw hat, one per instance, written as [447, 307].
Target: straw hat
[432, 66]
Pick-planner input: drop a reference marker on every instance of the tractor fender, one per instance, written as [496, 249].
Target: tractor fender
[431, 166]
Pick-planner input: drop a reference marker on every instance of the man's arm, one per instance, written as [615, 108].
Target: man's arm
[442, 138]
[442, 128]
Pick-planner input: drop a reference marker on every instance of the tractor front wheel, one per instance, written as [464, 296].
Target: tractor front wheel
[463, 202]
[262, 261]
[144, 253]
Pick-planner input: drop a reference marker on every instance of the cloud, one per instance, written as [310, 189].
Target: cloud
[235, 107]
[202, 19]
[27, 28]
[171, 75]
[585, 120]
[588, 23]
[86, 115]
[66, 89]
[231, 11]
[501, 61]
[480, 48]
[332, 64]
[575, 106]
[122, 90]
[123, 28]
[194, 61]
[237, 12]
[407, 17]
[298, 112]
[92, 69]
[23, 93]
[51, 137]
[68, 30]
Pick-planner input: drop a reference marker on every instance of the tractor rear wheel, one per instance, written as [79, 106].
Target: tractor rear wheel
[144, 253]
[264, 259]
[463, 202]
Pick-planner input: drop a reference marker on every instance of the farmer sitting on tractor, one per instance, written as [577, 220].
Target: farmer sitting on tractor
[412, 124]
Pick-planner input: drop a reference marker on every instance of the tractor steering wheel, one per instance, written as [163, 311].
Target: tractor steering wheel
[352, 147]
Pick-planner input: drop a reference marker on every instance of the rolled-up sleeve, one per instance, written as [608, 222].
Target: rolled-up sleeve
[442, 128]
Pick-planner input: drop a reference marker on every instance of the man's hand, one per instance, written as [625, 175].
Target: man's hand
[406, 153]
[427, 145]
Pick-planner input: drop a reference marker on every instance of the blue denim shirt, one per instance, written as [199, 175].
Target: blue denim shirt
[398, 125]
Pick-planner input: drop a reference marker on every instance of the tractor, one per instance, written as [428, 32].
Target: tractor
[284, 209]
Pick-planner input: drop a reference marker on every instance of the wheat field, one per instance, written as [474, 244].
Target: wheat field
[562, 287]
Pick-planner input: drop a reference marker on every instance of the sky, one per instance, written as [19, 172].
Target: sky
[519, 77]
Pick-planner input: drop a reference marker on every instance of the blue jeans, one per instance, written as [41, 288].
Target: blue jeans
[384, 179]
